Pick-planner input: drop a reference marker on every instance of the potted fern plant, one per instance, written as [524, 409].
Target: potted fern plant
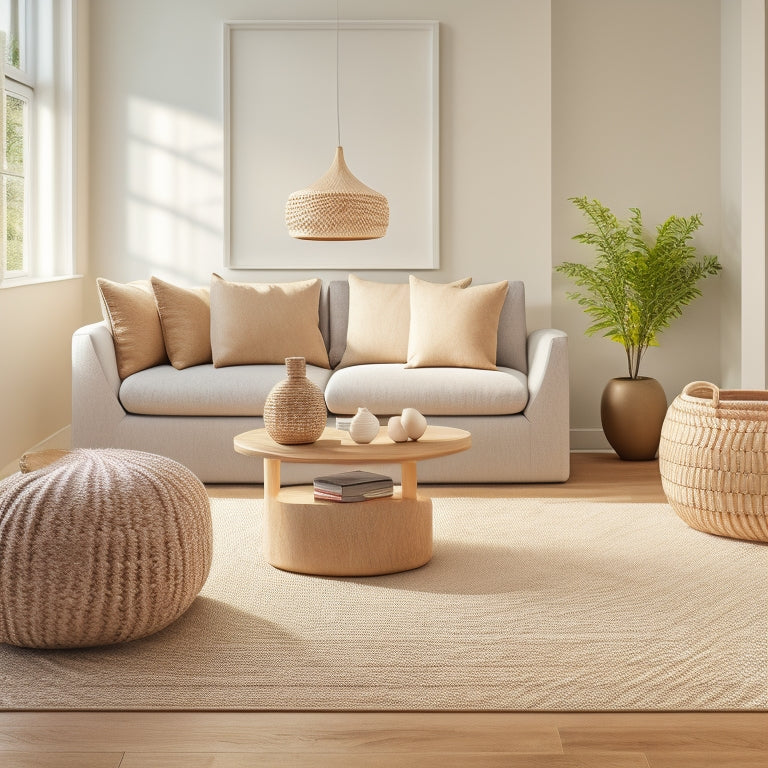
[635, 288]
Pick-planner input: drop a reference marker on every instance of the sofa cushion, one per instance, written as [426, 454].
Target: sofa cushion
[454, 327]
[379, 320]
[254, 323]
[131, 313]
[185, 316]
[386, 388]
[206, 391]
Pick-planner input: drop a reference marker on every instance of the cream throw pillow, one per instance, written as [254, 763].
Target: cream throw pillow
[131, 312]
[185, 317]
[379, 321]
[254, 323]
[454, 327]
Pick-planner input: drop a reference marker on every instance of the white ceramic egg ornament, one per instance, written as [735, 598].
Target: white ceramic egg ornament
[395, 430]
[413, 423]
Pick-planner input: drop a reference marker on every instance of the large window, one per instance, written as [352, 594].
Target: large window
[13, 21]
[36, 139]
[15, 182]
[17, 97]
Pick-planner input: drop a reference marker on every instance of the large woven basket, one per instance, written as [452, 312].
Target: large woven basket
[713, 459]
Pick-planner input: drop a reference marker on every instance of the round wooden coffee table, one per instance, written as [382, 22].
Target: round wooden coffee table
[326, 538]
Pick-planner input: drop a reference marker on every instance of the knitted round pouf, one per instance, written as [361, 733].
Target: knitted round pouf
[100, 547]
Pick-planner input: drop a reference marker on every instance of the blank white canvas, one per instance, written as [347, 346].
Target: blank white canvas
[280, 108]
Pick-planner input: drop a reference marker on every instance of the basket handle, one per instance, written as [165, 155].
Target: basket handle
[687, 389]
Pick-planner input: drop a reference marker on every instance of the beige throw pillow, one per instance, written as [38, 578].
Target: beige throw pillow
[454, 327]
[254, 323]
[185, 317]
[379, 321]
[131, 312]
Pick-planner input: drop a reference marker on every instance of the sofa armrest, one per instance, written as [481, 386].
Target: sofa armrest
[96, 408]
[548, 401]
[547, 369]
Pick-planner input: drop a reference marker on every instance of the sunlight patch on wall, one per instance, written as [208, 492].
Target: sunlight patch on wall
[175, 190]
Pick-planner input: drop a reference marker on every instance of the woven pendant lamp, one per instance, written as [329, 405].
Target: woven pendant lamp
[338, 206]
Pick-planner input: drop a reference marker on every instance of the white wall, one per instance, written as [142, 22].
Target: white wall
[157, 142]
[38, 320]
[749, 151]
[35, 384]
[730, 190]
[636, 122]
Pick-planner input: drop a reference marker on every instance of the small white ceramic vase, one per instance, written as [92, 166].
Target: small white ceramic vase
[414, 424]
[364, 426]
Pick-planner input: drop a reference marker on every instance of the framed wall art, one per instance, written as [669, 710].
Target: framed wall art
[281, 119]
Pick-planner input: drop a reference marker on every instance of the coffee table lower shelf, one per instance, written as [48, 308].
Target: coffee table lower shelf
[327, 538]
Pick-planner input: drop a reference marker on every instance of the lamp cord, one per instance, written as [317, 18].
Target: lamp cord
[338, 118]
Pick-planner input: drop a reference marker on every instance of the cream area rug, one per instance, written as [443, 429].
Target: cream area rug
[527, 604]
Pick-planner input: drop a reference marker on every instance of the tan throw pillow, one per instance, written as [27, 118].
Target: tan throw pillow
[254, 323]
[185, 317]
[454, 327]
[131, 312]
[379, 321]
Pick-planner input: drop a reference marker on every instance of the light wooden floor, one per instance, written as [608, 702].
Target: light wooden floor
[403, 740]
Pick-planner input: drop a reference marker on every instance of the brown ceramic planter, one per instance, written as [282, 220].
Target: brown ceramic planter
[632, 412]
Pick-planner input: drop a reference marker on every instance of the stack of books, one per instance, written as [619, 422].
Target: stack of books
[353, 486]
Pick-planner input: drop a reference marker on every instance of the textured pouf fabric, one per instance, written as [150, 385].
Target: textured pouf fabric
[101, 546]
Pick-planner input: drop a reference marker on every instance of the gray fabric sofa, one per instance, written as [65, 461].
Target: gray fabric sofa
[518, 415]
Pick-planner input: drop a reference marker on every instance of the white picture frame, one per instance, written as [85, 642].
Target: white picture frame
[280, 135]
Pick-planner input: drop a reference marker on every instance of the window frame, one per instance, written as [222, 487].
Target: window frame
[19, 82]
[50, 66]
[24, 73]
[25, 94]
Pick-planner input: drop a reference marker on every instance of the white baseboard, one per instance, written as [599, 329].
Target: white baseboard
[60, 439]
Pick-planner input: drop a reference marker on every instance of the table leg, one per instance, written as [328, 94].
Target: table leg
[271, 478]
[271, 489]
[408, 479]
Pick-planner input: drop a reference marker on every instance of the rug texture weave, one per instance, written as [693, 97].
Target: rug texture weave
[527, 604]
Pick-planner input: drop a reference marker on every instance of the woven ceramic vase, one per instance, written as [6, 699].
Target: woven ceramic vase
[295, 411]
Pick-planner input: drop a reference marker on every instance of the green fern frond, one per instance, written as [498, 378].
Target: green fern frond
[636, 287]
